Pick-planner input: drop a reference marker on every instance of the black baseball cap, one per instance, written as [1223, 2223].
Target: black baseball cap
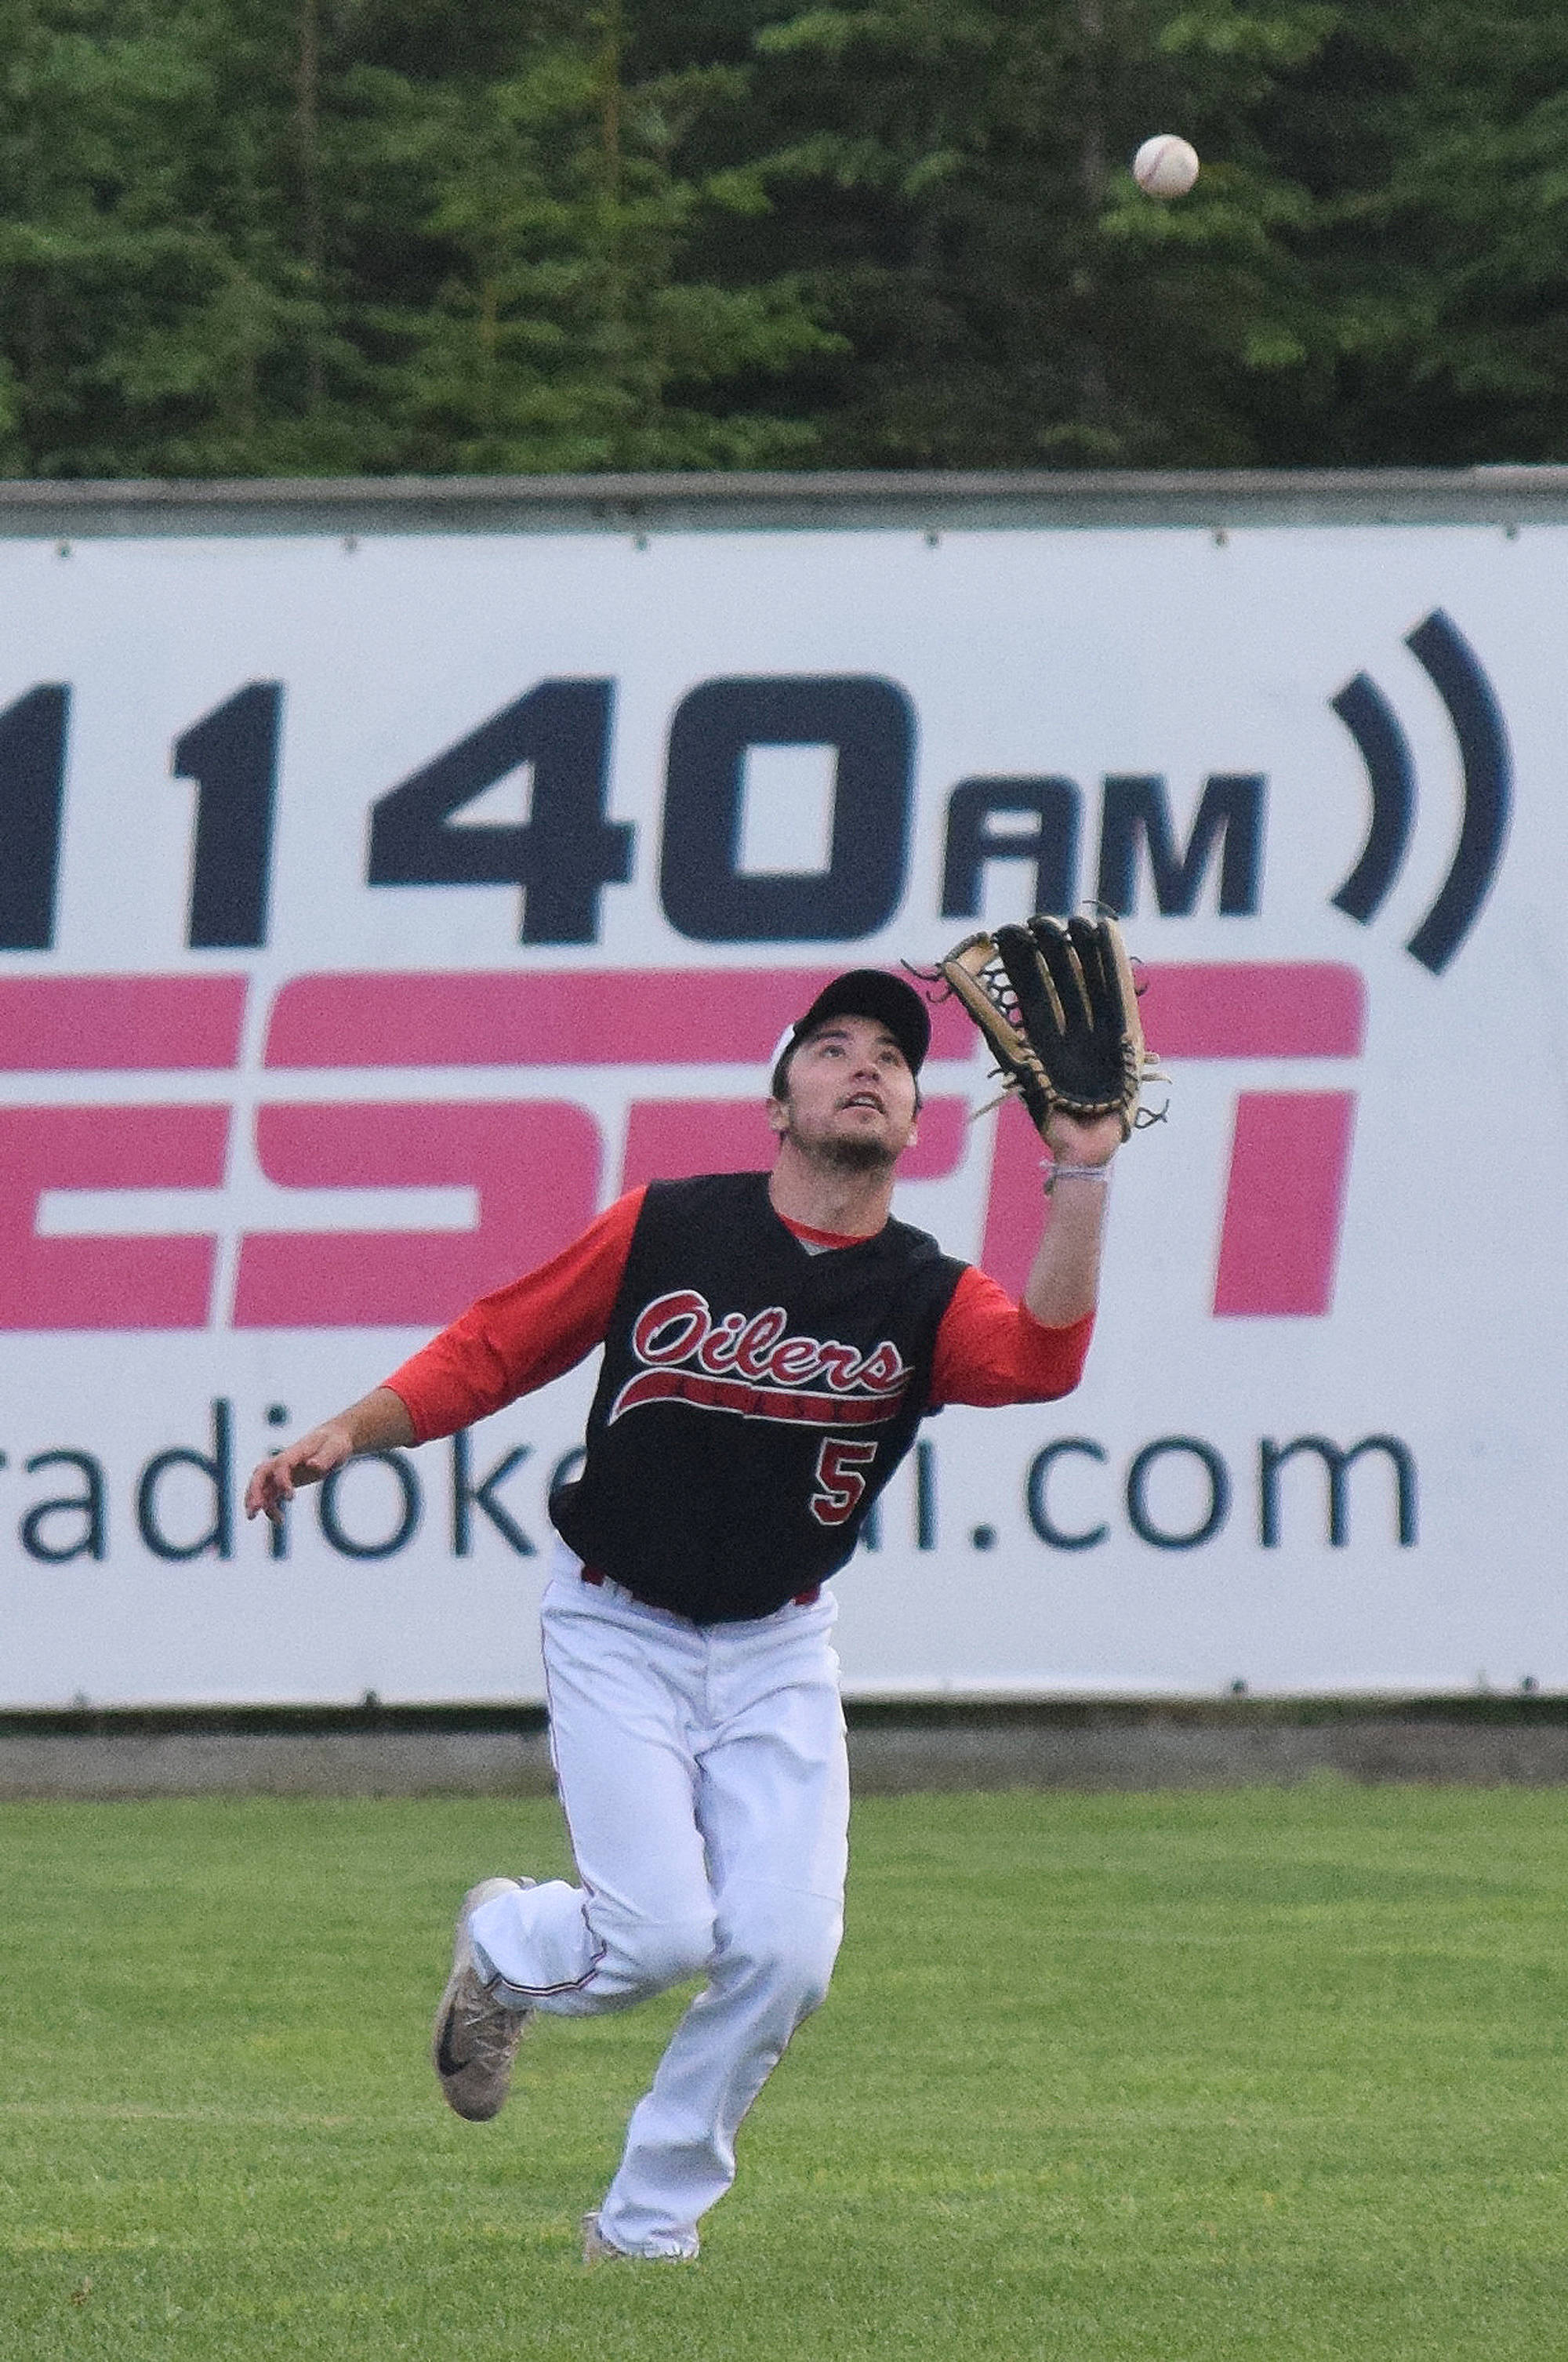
[861, 992]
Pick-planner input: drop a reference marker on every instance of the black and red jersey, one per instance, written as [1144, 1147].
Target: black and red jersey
[754, 1398]
[745, 1334]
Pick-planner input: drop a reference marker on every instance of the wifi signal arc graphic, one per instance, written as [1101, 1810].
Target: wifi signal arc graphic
[1455, 672]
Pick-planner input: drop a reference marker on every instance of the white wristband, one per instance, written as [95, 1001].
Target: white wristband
[1055, 1172]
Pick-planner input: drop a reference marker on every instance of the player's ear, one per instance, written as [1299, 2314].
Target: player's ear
[778, 1117]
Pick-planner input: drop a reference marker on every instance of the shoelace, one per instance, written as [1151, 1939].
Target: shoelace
[487, 2034]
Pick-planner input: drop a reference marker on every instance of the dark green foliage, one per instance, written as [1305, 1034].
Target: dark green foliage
[338, 236]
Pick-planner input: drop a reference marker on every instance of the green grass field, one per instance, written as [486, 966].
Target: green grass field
[1265, 2072]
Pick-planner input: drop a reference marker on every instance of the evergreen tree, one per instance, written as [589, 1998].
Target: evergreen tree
[339, 235]
[1450, 266]
[963, 186]
[556, 327]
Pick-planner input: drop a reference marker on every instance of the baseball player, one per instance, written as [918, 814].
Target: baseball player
[771, 1341]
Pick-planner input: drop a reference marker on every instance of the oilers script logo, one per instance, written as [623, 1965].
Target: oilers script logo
[750, 1365]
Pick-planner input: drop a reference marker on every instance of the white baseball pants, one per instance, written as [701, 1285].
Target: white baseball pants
[704, 1776]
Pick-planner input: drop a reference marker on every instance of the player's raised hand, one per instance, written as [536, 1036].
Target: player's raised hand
[306, 1461]
[1079, 1140]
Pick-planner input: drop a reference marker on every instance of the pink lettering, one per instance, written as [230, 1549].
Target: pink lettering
[105, 1283]
[102, 1024]
[657, 1017]
[1289, 1166]
[534, 1167]
[1289, 1160]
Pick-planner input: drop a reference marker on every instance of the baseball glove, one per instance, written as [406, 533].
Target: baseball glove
[1058, 1006]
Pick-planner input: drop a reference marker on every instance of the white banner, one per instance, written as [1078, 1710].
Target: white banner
[372, 912]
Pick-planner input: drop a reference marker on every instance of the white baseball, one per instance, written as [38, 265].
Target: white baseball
[1166, 166]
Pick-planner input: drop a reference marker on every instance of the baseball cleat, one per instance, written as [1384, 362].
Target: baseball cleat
[476, 2034]
[598, 2249]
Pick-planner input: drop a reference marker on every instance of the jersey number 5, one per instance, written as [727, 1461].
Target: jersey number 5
[839, 1482]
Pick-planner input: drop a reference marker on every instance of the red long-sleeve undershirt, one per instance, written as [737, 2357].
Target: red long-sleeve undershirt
[989, 1351]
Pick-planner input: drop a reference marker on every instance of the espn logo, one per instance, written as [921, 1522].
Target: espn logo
[537, 1167]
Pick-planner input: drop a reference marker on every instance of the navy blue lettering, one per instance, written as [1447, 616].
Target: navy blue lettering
[1137, 813]
[1051, 843]
[90, 1505]
[566, 851]
[407, 1525]
[869, 724]
[32, 787]
[217, 1467]
[467, 1495]
[1337, 1463]
[232, 755]
[1039, 1476]
[1218, 1508]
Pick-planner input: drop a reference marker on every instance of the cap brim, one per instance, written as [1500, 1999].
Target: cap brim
[870, 992]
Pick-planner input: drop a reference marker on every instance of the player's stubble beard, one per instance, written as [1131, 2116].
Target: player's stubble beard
[841, 1152]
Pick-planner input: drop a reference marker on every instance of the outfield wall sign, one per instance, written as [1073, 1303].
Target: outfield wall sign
[372, 910]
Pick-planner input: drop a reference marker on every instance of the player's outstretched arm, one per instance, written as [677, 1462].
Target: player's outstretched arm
[378, 1423]
[1057, 1002]
[1063, 1280]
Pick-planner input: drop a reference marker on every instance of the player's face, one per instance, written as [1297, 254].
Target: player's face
[851, 1097]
